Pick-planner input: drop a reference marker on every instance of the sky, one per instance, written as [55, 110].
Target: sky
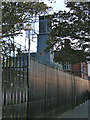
[58, 5]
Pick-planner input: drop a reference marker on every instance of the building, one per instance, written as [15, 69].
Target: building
[78, 69]
[42, 38]
[89, 70]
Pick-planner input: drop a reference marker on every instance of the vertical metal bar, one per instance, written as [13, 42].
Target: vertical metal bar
[28, 80]
[16, 96]
[45, 88]
[11, 76]
[27, 88]
[20, 79]
[16, 70]
[13, 80]
[23, 69]
[20, 69]
[6, 79]
[23, 77]
[3, 78]
[6, 82]
[26, 75]
[16, 77]
[57, 90]
[20, 96]
[3, 95]
[23, 95]
[9, 80]
[27, 96]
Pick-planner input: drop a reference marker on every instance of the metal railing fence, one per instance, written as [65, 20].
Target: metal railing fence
[49, 88]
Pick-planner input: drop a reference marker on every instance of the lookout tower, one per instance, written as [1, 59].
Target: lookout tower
[43, 37]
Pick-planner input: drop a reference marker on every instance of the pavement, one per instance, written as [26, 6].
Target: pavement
[0, 115]
[81, 111]
[0, 112]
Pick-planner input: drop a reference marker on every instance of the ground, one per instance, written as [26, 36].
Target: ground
[81, 111]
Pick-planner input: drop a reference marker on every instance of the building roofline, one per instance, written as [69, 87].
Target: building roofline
[43, 33]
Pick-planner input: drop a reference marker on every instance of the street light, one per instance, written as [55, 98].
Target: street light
[27, 27]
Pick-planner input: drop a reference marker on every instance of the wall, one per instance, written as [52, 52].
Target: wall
[54, 90]
[50, 91]
[76, 68]
[80, 69]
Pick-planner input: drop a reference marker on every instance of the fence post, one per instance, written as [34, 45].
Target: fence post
[57, 92]
[29, 66]
[28, 77]
[0, 65]
[0, 83]
[45, 88]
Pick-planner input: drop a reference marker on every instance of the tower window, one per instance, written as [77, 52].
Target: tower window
[67, 66]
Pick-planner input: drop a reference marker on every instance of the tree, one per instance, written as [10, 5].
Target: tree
[69, 55]
[73, 26]
[18, 12]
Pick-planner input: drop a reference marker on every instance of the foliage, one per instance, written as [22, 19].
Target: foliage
[11, 48]
[69, 55]
[72, 25]
[19, 12]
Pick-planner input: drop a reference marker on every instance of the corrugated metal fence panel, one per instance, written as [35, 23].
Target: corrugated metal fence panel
[36, 104]
[68, 91]
[77, 90]
[60, 90]
[49, 89]
[51, 86]
[73, 91]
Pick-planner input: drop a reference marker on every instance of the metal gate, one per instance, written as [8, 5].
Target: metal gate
[14, 82]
